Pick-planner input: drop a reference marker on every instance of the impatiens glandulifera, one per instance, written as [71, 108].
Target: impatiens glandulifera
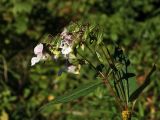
[73, 69]
[84, 45]
[66, 43]
[38, 51]
[66, 48]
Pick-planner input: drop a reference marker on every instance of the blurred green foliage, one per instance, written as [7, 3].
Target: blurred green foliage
[134, 24]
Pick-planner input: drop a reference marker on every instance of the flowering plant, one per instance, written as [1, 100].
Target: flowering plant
[112, 68]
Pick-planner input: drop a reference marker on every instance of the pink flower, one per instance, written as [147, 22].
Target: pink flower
[38, 51]
[66, 36]
[64, 33]
[66, 43]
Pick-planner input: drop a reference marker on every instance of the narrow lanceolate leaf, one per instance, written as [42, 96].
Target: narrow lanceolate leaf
[138, 91]
[74, 94]
[126, 76]
[99, 57]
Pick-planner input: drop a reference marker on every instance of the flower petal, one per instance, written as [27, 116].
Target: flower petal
[38, 49]
[62, 44]
[66, 50]
[35, 60]
[73, 69]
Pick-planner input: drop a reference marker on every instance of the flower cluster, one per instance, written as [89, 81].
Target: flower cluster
[65, 48]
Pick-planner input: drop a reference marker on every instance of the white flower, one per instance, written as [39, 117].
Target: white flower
[63, 43]
[35, 60]
[66, 48]
[66, 43]
[38, 51]
[73, 69]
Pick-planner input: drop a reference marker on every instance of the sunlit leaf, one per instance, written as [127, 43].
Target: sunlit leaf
[99, 57]
[82, 90]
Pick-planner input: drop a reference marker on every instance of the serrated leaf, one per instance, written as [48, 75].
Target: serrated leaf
[138, 91]
[74, 94]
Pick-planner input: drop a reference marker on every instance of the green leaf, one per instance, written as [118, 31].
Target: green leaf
[99, 57]
[126, 76]
[74, 94]
[21, 24]
[22, 7]
[100, 67]
[138, 91]
[99, 37]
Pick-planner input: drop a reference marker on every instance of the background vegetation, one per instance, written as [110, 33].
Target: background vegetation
[134, 24]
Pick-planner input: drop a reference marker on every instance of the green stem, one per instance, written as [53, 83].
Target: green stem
[118, 101]
[119, 86]
[94, 53]
[105, 55]
[88, 61]
[127, 87]
[123, 88]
